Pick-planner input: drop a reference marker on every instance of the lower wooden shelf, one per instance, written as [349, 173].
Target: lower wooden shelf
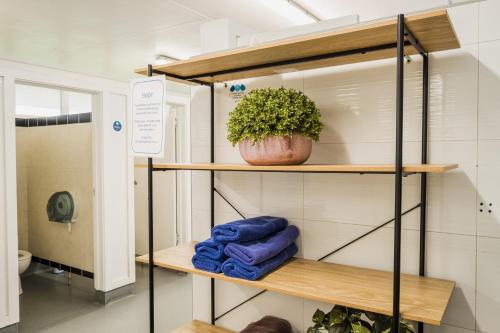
[423, 299]
[200, 327]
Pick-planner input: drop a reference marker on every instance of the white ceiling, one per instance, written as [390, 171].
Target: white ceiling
[110, 38]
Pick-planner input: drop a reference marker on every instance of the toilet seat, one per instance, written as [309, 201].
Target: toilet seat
[23, 261]
[23, 255]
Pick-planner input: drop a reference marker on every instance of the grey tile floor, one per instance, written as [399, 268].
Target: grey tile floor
[49, 305]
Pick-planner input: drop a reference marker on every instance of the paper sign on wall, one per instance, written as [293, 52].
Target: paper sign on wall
[148, 116]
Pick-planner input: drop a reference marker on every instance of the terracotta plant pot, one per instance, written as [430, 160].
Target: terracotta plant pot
[277, 150]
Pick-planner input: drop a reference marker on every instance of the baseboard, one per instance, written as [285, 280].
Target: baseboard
[10, 329]
[70, 269]
[104, 297]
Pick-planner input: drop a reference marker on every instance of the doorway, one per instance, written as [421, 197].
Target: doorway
[172, 190]
[55, 185]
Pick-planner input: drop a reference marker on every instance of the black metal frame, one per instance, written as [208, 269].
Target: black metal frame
[404, 38]
[150, 237]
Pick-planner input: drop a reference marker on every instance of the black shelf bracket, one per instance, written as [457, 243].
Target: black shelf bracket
[398, 190]
[151, 238]
[423, 177]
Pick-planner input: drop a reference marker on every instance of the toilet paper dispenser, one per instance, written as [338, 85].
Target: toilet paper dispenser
[61, 207]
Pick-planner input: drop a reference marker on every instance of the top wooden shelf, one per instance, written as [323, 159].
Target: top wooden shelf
[433, 30]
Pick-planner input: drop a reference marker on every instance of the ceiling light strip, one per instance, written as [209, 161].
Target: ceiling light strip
[304, 10]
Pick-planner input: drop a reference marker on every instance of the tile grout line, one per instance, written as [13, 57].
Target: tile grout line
[477, 164]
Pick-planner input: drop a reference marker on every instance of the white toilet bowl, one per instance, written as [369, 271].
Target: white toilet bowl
[24, 260]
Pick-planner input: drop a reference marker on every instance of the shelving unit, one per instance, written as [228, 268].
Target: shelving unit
[413, 297]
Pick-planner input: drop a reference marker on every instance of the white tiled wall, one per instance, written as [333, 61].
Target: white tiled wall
[358, 108]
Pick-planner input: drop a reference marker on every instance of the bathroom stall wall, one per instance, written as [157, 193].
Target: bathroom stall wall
[52, 159]
[358, 109]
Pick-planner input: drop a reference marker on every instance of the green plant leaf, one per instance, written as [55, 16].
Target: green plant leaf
[381, 324]
[359, 328]
[341, 328]
[337, 315]
[384, 325]
[406, 327]
[354, 315]
[318, 317]
[365, 323]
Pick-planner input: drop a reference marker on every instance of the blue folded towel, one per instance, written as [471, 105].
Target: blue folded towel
[234, 268]
[207, 264]
[248, 229]
[254, 252]
[210, 249]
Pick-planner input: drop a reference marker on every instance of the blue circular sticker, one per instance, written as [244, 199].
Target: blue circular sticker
[117, 126]
[237, 87]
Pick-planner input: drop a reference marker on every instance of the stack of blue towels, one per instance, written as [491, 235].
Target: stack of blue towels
[247, 249]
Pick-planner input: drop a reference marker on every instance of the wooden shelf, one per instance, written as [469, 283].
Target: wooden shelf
[324, 168]
[433, 30]
[422, 298]
[200, 327]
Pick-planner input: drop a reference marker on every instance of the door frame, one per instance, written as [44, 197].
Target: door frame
[103, 90]
[183, 179]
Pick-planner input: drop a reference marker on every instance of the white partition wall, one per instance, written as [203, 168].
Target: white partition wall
[113, 181]
[115, 237]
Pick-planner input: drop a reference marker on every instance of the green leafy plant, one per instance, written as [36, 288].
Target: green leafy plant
[382, 323]
[279, 112]
[342, 319]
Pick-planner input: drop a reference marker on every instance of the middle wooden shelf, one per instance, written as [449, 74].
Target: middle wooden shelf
[319, 168]
[423, 299]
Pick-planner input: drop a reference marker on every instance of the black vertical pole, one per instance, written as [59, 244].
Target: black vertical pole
[212, 192]
[399, 173]
[150, 235]
[423, 176]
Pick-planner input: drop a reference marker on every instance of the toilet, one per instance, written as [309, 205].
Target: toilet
[24, 260]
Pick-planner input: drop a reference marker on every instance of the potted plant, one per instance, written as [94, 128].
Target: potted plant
[274, 126]
[342, 319]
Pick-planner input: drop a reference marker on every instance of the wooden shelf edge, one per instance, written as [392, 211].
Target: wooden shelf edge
[423, 299]
[197, 326]
[321, 168]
